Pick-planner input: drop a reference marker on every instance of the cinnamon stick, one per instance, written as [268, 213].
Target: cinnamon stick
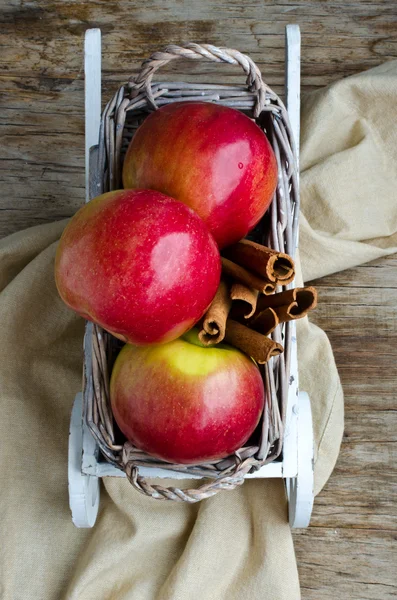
[244, 299]
[214, 321]
[256, 345]
[267, 263]
[264, 322]
[245, 277]
[289, 305]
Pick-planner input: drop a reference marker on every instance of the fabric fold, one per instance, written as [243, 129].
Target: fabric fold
[348, 163]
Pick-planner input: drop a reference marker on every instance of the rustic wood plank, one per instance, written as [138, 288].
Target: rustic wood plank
[359, 510]
[42, 69]
[351, 564]
[358, 310]
[349, 550]
[373, 427]
[368, 458]
[337, 297]
[362, 492]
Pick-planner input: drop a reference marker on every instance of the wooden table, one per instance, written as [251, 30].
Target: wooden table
[348, 550]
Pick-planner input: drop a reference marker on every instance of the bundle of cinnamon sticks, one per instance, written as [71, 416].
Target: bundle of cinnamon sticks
[247, 308]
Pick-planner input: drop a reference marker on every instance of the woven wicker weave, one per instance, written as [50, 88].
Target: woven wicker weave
[278, 229]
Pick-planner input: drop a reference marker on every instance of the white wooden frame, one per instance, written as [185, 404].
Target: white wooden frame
[296, 463]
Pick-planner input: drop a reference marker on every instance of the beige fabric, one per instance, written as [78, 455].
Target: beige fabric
[140, 548]
[236, 545]
[349, 172]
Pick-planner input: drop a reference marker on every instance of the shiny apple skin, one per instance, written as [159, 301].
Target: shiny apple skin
[212, 158]
[138, 263]
[185, 403]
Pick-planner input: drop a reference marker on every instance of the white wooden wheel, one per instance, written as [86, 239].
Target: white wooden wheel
[300, 488]
[83, 489]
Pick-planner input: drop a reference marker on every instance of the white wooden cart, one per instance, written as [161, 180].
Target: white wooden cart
[295, 465]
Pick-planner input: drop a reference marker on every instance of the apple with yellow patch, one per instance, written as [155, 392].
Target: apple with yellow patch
[185, 402]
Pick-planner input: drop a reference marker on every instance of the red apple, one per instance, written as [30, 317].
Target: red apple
[213, 158]
[184, 402]
[138, 263]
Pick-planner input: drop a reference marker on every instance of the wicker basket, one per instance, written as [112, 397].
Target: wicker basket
[278, 229]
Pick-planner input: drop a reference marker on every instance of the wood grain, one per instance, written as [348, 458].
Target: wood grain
[349, 551]
[41, 72]
[350, 548]
[348, 564]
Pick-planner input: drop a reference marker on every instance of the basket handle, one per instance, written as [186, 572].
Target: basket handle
[199, 52]
[191, 496]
